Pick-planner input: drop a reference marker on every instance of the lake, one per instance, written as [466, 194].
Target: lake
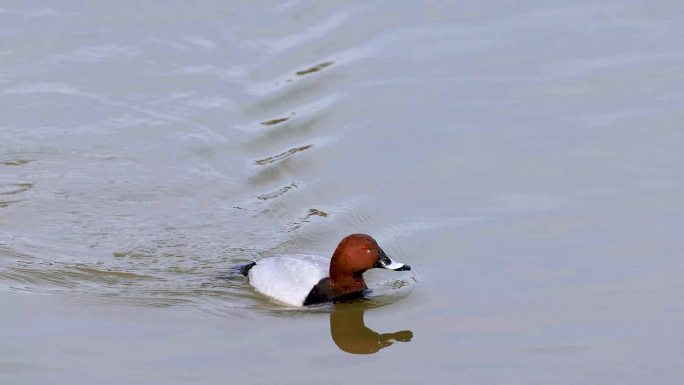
[525, 158]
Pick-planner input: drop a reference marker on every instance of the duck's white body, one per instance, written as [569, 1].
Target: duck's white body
[288, 278]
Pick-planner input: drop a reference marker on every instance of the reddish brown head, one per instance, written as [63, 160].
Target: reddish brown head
[355, 254]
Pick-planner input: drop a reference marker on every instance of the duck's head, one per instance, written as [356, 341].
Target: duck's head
[354, 255]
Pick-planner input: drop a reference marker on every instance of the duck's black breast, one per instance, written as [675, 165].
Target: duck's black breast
[319, 293]
[322, 293]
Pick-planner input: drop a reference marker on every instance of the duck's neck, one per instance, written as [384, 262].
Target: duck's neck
[347, 284]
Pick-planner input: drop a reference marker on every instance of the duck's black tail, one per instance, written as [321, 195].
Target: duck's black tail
[243, 269]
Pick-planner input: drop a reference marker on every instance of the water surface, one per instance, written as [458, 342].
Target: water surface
[525, 158]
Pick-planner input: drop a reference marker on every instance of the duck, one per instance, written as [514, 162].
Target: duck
[301, 280]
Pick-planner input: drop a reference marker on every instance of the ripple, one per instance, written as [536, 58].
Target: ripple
[301, 123]
[220, 72]
[319, 29]
[275, 92]
[281, 167]
[15, 188]
[295, 225]
[277, 193]
[282, 155]
[315, 68]
[275, 121]
[94, 54]
[42, 88]
[382, 292]
[6, 251]
[162, 284]
[317, 213]
[16, 162]
[63, 275]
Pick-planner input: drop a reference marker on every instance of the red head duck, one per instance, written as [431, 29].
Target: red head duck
[301, 280]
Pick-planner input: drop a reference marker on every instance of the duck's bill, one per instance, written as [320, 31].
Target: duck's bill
[384, 262]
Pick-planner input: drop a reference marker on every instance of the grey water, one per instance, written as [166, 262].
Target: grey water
[525, 158]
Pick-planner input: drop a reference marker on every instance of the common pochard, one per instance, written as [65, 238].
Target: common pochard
[301, 280]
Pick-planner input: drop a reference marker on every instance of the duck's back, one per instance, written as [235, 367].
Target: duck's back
[288, 278]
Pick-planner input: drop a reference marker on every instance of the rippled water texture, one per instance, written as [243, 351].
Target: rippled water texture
[525, 158]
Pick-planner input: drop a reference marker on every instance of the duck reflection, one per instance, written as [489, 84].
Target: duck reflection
[351, 334]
